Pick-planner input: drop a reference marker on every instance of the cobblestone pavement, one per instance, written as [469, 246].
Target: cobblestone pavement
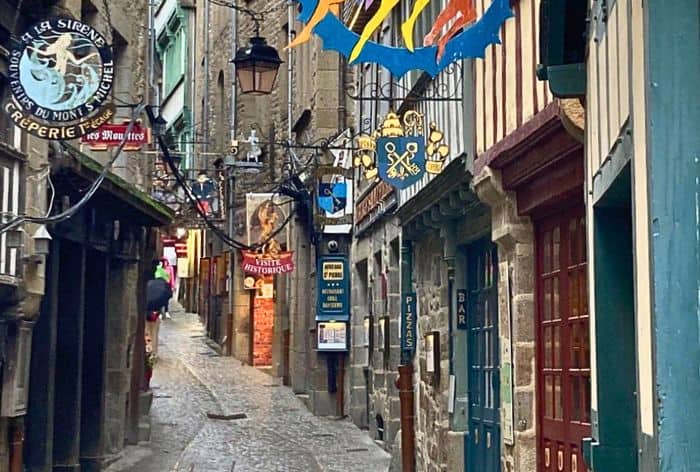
[278, 433]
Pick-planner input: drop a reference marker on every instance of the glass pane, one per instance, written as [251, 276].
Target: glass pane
[586, 393]
[583, 292]
[558, 399]
[573, 293]
[556, 341]
[487, 314]
[548, 397]
[556, 314]
[585, 354]
[582, 238]
[572, 242]
[547, 347]
[547, 299]
[546, 254]
[575, 346]
[555, 248]
[576, 397]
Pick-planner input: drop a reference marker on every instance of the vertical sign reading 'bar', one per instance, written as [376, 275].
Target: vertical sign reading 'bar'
[409, 318]
[462, 309]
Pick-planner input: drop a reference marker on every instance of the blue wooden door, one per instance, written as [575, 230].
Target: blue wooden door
[484, 438]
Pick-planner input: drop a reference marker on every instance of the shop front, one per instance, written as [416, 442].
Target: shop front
[534, 185]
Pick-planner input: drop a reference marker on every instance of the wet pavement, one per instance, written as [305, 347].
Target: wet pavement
[211, 413]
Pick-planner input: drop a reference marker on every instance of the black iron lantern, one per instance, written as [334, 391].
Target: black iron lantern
[257, 66]
[158, 124]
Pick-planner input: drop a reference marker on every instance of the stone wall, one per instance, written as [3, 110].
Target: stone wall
[514, 236]
[432, 422]
[372, 393]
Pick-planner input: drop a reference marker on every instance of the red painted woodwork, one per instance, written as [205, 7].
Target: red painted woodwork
[563, 353]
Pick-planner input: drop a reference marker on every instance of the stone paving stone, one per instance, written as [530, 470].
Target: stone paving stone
[278, 433]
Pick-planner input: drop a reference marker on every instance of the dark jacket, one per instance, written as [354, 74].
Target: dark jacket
[158, 293]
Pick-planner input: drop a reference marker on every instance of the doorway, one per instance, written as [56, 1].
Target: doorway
[484, 438]
[563, 354]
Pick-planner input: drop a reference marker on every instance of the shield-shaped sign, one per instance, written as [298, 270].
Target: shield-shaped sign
[333, 196]
[401, 160]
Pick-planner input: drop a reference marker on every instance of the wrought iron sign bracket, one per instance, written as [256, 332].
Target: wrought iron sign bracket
[446, 87]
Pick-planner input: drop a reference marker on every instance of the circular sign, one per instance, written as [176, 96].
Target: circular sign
[60, 76]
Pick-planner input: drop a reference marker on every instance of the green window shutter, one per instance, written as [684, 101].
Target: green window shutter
[562, 38]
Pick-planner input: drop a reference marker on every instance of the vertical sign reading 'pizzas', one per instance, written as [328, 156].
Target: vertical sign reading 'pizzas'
[333, 289]
[409, 318]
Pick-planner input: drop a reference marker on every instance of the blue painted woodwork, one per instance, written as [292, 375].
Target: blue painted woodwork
[484, 437]
[673, 113]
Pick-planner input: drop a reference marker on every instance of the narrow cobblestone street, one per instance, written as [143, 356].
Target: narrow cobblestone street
[191, 383]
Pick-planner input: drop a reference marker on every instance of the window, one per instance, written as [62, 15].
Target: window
[9, 206]
[171, 49]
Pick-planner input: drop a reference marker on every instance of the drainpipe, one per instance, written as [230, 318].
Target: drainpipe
[232, 181]
[17, 444]
[152, 55]
[205, 105]
[450, 311]
[405, 381]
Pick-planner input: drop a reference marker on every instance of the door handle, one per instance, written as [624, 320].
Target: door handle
[476, 436]
[574, 463]
[560, 460]
[488, 440]
[547, 460]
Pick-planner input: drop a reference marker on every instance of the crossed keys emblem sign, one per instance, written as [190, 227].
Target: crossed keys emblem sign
[401, 160]
[400, 151]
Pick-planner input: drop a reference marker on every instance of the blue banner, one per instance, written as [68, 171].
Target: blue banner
[409, 318]
[333, 277]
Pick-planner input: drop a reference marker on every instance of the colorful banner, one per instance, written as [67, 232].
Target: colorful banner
[111, 135]
[456, 33]
[265, 264]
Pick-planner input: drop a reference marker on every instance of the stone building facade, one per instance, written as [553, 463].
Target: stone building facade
[93, 414]
[313, 112]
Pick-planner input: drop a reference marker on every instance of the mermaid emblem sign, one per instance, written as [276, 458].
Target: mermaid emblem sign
[60, 76]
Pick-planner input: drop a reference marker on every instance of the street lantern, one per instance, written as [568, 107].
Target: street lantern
[158, 124]
[257, 66]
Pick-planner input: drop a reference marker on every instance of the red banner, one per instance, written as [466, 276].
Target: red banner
[255, 263]
[111, 135]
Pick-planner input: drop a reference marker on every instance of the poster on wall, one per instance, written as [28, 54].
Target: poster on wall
[332, 336]
[266, 217]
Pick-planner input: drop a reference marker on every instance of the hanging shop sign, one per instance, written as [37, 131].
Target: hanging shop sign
[60, 76]
[409, 318]
[111, 135]
[458, 32]
[401, 150]
[333, 289]
[267, 264]
[335, 188]
[462, 309]
[266, 213]
[332, 336]
[265, 221]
